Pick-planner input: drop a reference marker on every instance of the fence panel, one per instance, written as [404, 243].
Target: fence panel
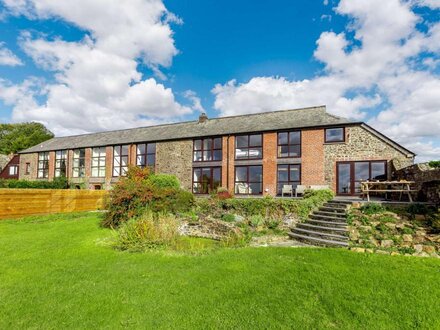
[15, 203]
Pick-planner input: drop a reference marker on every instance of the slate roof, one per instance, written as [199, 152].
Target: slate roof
[268, 121]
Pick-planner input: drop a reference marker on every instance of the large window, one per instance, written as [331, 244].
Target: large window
[289, 144]
[334, 135]
[79, 163]
[206, 179]
[60, 163]
[209, 149]
[98, 162]
[146, 154]
[249, 180]
[288, 175]
[43, 165]
[249, 146]
[13, 170]
[120, 160]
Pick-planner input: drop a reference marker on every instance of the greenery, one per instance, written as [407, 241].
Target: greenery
[60, 271]
[434, 163]
[139, 191]
[372, 208]
[57, 183]
[164, 181]
[17, 137]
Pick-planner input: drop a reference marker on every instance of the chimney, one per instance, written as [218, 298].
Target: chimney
[203, 118]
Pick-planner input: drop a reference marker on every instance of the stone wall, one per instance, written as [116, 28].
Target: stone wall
[175, 158]
[32, 159]
[427, 181]
[360, 144]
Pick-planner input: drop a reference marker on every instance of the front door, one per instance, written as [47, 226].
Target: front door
[349, 175]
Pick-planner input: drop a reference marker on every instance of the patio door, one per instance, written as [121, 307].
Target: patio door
[349, 175]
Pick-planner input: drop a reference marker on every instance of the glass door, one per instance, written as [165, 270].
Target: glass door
[349, 175]
[344, 186]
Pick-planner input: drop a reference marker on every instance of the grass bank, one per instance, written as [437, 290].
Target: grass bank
[59, 272]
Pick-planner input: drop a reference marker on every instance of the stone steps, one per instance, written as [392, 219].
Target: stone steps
[326, 226]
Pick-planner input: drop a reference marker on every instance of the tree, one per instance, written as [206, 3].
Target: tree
[17, 137]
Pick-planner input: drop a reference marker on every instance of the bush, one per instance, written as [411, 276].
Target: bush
[228, 217]
[150, 231]
[164, 181]
[434, 163]
[135, 193]
[57, 183]
[256, 220]
[372, 208]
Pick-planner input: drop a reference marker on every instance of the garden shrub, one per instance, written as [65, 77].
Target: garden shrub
[149, 231]
[372, 208]
[228, 217]
[164, 181]
[434, 163]
[135, 193]
[256, 220]
[57, 183]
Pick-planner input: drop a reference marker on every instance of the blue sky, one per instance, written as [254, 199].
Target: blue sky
[100, 65]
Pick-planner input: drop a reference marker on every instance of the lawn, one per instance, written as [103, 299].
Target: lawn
[58, 272]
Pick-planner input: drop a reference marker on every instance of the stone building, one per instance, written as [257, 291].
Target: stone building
[253, 154]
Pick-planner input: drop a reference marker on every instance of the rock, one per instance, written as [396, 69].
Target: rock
[374, 223]
[354, 234]
[435, 255]
[418, 248]
[238, 218]
[382, 252]
[373, 241]
[365, 228]
[419, 217]
[400, 225]
[418, 239]
[421, 254]
[429, 249]
[406, 244]
[390, 225]
[369, 250]
[358, 249]
[420, 232]
[394, 253]
[407, 238]
[386, 243]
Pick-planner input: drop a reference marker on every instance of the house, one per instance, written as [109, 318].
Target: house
[254, 154]
[10, 169]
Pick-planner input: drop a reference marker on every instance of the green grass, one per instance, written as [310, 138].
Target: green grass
[59, 272]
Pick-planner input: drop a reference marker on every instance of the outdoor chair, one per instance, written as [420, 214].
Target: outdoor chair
[287, 189]
[300, 190]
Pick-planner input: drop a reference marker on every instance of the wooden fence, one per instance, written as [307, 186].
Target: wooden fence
[15, 203]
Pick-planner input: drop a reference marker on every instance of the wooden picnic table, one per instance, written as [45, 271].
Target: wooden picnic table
[387, 187]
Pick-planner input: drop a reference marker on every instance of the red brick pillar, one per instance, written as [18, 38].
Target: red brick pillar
[312, 157]
[51, 165]
[270, 164]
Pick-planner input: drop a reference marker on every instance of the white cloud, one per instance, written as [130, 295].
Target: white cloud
[7, 57]
[389, 64]
[97, 85]
[433, 4]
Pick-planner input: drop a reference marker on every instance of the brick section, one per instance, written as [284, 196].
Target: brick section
[51, 165]
[312, 157]
[88, 162]
[132, 155]
[270, 164]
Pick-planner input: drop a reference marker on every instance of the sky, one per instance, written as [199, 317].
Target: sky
[93, 65]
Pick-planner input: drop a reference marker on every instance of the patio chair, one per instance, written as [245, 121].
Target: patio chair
[287, 189]
[300, 190]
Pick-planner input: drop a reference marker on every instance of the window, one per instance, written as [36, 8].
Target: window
[79, 163]
[206, 179]
[60, 163]
[289, 144]
[334, 135]
[146, 154]
[249, 146]
[249, 180]
[43, 165]
[288, 175]
[120, 160]
[209, 149]
[13, 170]
[98, 162]
[27, 168]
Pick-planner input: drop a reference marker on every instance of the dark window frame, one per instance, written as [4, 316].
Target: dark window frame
[43, 165]
[211, 150]
[248, 182]
[61, 168]
[99, 158]
[249, 146]
[120, 146]
[145, 155]
[81, 164]
[289, 181]
[288, 144]
[335, 141]
[27, 169]
[211, 186]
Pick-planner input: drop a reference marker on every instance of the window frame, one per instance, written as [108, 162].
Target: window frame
[15, 170]
[43, 165]
[337, 141]
[289, 181]
[248, 182]
[80, 160]
[288, 144]
[120, 146]
[211, 179]
[99, 158]
[27, 169]
[146, 154]
[211, 150]
[249, 146]
[64, 152]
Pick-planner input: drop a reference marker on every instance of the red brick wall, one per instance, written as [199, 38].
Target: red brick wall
[51, 165]
[312, 157]
[270, 163]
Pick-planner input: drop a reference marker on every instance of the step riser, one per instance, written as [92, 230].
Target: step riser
[327, 223]
[315, 241]
[330, 214]
[329, 230]
[327, 236]
[327, 218]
